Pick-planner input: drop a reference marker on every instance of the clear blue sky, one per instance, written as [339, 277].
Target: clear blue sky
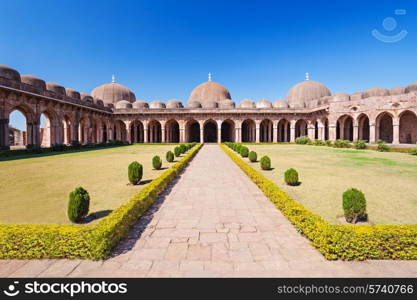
[163, 49]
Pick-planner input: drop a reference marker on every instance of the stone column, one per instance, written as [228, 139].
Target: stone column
[396, 132]
[4, 134]
[332, 132]
[311, 131]
[257, 132]
[292, 130]
[342, 131]
[182, 133]
[219, 131]
[320, 130]
[372, 134]
[275, 132]
[355, 132]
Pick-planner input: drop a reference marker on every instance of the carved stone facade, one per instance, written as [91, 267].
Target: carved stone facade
[209, 116]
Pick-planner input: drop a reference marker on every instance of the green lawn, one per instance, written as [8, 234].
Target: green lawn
[389, 180]
[35, 190]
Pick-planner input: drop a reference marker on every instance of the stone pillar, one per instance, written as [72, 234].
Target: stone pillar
[237, 135]
[275, 132]
[342, 131]
[320, 130]
[4, 134]
[36, 141]
[182, 133]
[135, 133]
[311, 131]
[372, 134]
[257, 133]
[292, 130]
[396, 133]
[332, 132]
[355, 132]
[201, 134]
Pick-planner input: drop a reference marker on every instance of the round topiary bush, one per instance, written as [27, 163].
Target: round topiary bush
[135, 172]
[169, 156]
[177, 151]
[265, 163]
[302, 140]
[183, 148]
[156, 162]
[354, 205]
[78, 205]
[291, 177]
[253, 156]
[244, 151]
[382, 146]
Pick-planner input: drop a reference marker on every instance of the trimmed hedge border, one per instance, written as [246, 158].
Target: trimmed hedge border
[95, 242]
[346, 242]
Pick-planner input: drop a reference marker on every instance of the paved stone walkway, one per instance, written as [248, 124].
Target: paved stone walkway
[211, 222]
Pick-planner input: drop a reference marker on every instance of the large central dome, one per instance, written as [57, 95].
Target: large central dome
[113, 92]
[209, 91]
[302, 93]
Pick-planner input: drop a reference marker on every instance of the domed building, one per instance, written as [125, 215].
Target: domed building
[112, 113]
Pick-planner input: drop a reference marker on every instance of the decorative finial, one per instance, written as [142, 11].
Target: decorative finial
[113, 78]
[307, 76]
[209, 76]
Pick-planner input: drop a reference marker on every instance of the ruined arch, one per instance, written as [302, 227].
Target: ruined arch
[228, 131]
[284, 130]
[154, 131]
[172, 131]
[363, 127]
[344, 128]
[266, 131]
[137, 132]
[408, 127]
[301, 128]
[210, 131]
[384, 127]
[248, 131]
[192, 131]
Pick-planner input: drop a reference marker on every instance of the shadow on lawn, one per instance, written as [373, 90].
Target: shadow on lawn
[95, 216]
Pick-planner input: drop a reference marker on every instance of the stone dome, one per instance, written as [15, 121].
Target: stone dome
[34, 81]
[208, 92]
[228, 103]
[99, 102]
[263, 103]
[73, 94]
[397, 91]
[411, 88]
[193, 104]
[140, 104]
[157, 104]
[300, 94]
[280, 103]
[174, 104]
[340, 97]
[86, 97]
[123, 104]
[56, 88]
[209, 104]
[113, 92]
[246, 103]
[377, 91]
[9, 73]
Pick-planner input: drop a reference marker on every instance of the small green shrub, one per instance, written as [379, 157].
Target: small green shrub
[342, 144]
[135, 172]
[78, 205]
[265, 163]
[359, 144]
[291, 177]
[156, 162]
[302, 140]
[177, 151]
[253, 157]
[169, 156]
[354, 205]
[244, 151]
[183, 148]
[382, 146]
[319, 143]
[329, 143]
[413, 151]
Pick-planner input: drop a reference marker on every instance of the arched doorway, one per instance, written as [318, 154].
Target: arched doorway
[284, 131]
[248, 131]
[384, 127]
[265, 131]
[408, 128]
[326, 130]
[210, 131]
[192, 131]
[363, 128]
[18, 130]
[345, 128]
[66, 130]
[172, 132]
[300, 128]
[120, 131]
[228, 131]
[46, 130]
[154, 132]
[137, 132]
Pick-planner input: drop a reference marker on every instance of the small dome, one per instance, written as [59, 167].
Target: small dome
[227, 104]
[9, 73]
[300, 94]
[73, 94]
[86, 97]
[358, 96]
[99, 102]
[263, 103]
[280, 104]
[113, 92]
[376, 91]
[34, 81]
[56, 88]
[140, 104]
[174, 104]
[340, 97]
[411, 88]
[208, 92]
[246, 103]
[156, 104]
[209, 104]
[193, 104]
[397, 91]
[123, 104]
[326, 99]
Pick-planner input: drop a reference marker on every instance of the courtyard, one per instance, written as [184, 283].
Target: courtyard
[35, 189]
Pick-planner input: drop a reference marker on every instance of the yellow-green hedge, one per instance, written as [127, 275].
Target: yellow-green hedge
[347, 242]
[85, 241]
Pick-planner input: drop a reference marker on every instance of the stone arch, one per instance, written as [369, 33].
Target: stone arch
[192, 131]
[19, 138]
[301, 128]
[84, 130]
[48, 126]
[154, 131]
[228, 131]
[172, 131]
[363, 127]
[266, 129]
[210, 131]
[408, 127]
[384, 127]
[248, 131]
[284, 130]
[66, 133]
[120, 132]
[344, 127]
[137, 132]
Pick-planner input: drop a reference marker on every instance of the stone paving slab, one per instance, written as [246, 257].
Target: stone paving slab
[212, 222]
